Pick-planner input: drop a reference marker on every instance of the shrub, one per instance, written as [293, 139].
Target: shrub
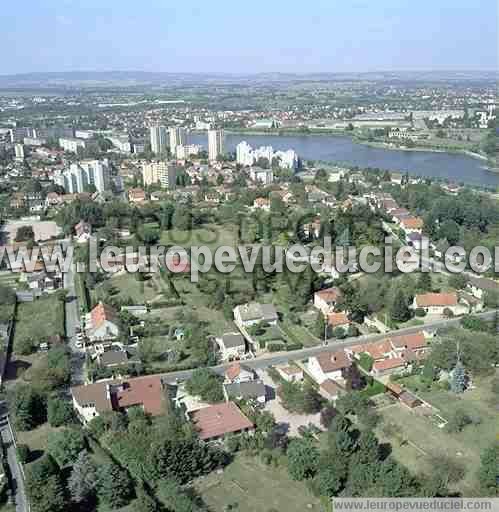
[366, 362]
[448, 313]
[294, 346]
[275, 347]
[23, 453]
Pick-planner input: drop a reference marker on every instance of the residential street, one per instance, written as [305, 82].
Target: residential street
[267, 359]
[72, 323]
[14, 466]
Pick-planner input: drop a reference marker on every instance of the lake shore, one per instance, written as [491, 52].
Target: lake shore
[344, 150]
[353, 138]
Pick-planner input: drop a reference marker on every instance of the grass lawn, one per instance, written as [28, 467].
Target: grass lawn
[199, 303]
[300, 333]
[140, 291]
[6, 313]
[36, 439]
[9, 279]
[255, 487]
[211, 235]
[38, 320]
[426, 440]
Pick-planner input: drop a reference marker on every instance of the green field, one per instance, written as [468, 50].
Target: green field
[36, 439]
[255, 487]
[9, 279]
[198, 302]
[211, 235]
[415, 439]
[36, 321]
[140, 292]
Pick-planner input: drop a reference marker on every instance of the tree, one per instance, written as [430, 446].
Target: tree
[449, 470]
[474, 323]
[25, 234]
[429, 373]
[366, 362]
[144, 502]
[327, 415]
[172, 496]
[299, 398]
[7, 295]
[458, 421]
[149, 235]
[44, 486]
[28, 408]
[186, 459]
[329, 480]
[450, 231]
[303, 457]
[367, 447]
[23, 453]
[59, 412]
[205, 384]
[424, 283]
[65, 445]
[399, 310]
[487, 474]
[82, 481]
[458, 281]
[114, 486]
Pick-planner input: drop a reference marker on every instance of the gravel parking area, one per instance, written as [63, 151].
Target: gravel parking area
[288, 420]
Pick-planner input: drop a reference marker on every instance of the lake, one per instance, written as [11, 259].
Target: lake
[453, 167]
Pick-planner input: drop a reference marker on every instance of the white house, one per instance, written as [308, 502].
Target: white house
[329, 365]
[412, 225]
[290, 373]
[437, 303]
[232, 346]
[146, 393]
[102, 324]
[253, 313]
[326, 300]
[238, 373]
[479, 286]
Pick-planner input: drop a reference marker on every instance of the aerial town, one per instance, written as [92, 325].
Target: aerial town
[140, 374]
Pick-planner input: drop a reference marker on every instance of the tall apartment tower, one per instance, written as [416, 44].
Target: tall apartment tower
[177, 138]
[80, 175]
[159, 172]
[159, 142]
[215, 144]
[19, 151]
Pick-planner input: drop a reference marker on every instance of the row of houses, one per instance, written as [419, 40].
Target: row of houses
[151, 394]
[331, 369]
[407, 222]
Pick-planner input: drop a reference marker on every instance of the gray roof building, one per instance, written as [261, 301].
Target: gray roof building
[245, 390]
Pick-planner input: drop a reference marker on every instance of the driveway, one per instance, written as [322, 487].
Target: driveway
[288, 420]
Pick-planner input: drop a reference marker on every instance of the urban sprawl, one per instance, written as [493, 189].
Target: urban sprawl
[244, 390]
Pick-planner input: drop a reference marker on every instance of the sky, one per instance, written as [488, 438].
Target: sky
[248, 36]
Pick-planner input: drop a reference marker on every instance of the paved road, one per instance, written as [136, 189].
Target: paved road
[436, 265]
[72, 323]
[17, 476]
[269, 359]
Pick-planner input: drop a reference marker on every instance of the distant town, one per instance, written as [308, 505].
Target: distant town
[244, 390]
